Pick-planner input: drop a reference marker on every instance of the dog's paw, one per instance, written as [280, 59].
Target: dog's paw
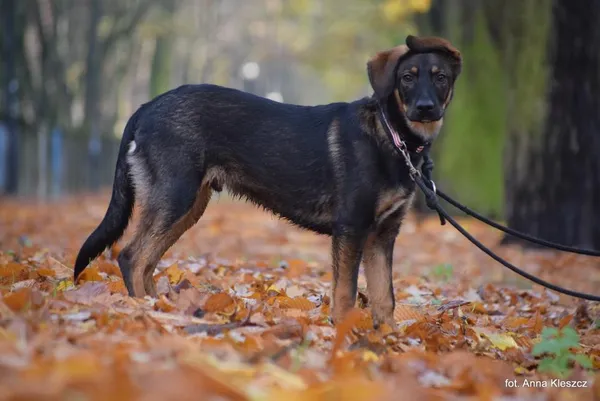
[380, 319]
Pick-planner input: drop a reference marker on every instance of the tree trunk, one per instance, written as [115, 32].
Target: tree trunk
[558, 198]
[162, 60]
[9, 47]
[92, 94]
[160, 76]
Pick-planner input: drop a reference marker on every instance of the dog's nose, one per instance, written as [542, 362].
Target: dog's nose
[424, 105]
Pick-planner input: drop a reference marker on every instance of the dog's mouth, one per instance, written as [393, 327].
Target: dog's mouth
[426, 128]
[428, 120]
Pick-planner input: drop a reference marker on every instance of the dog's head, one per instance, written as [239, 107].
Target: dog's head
[420, 76]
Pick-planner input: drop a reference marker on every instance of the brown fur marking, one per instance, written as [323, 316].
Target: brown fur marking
[378, 272]
[152, 240]
[346, 259]
[401, 105]
[448, 99]
[428, 130]
[426, 44]
[389, 202]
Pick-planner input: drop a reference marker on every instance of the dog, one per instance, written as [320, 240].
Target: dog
[333, 169]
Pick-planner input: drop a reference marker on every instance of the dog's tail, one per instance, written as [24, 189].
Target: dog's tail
[119, 210]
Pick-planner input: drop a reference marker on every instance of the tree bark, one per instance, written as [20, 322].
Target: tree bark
[92, 94]
[9, 47]
[559, 197]
[160, 76]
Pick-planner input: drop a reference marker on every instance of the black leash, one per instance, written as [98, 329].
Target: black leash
[518, 234]
[430, 191]
[434, 205]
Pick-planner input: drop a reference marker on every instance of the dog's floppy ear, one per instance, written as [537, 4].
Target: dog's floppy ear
[427, 44]
[382, 68]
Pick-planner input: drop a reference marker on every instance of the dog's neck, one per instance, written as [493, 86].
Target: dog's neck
[393, 119]
[416, 135]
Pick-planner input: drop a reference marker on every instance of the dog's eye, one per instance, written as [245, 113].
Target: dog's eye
[441, 78]
[407, 78]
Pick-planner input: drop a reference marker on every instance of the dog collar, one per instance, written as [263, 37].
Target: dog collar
[400, 146]
[396, 138]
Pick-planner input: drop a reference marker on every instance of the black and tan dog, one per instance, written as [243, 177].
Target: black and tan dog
[332, 168]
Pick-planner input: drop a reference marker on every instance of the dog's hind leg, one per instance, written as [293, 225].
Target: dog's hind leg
[170, 211]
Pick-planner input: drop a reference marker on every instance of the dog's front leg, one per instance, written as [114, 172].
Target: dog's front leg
[347, 249]
[378, 255]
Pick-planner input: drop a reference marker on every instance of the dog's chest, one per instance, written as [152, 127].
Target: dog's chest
[392, 203]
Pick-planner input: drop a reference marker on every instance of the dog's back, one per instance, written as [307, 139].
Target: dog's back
[275, 154]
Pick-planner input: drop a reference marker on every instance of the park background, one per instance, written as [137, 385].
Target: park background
[520, 137]
[243, 310]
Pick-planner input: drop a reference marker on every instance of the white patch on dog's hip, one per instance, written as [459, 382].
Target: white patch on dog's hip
[132, 147]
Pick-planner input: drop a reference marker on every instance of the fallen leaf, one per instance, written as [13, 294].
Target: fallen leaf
[174, 273]
[109, 268]
[220, 303]
[90, 274]
[403, 313]
[343, 328]
[23, 299]
[296, 303]
[164, 304]
[498, 340]
[86, 293]
[12, 270]
[46, 272]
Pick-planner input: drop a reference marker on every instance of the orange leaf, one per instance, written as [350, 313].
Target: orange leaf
[164, 304]
[90, 274]
[109, 268]
[191, 277]
[23, 298]
[220, 303]
[343, 328]
[46, 272]
[11, 269]
[348, 387]
[565, 321]
[296, 267]
[405, 312]
[365, 323]
[296, 303]
[115, 250]
[536, 323]
[478, 307]
[117, 287]
[174, 273]
[515, 322]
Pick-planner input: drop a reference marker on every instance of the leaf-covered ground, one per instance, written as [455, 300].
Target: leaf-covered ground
[243, 313]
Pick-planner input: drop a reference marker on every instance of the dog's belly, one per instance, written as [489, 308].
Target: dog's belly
[307, 207]
[310, 212]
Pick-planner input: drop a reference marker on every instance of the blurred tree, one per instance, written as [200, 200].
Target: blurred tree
[92, 92]
[498, 102]
[338, 48]
[10, 39]
[558, 198]
[162, 60]
[468, 153]
[109, 23]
